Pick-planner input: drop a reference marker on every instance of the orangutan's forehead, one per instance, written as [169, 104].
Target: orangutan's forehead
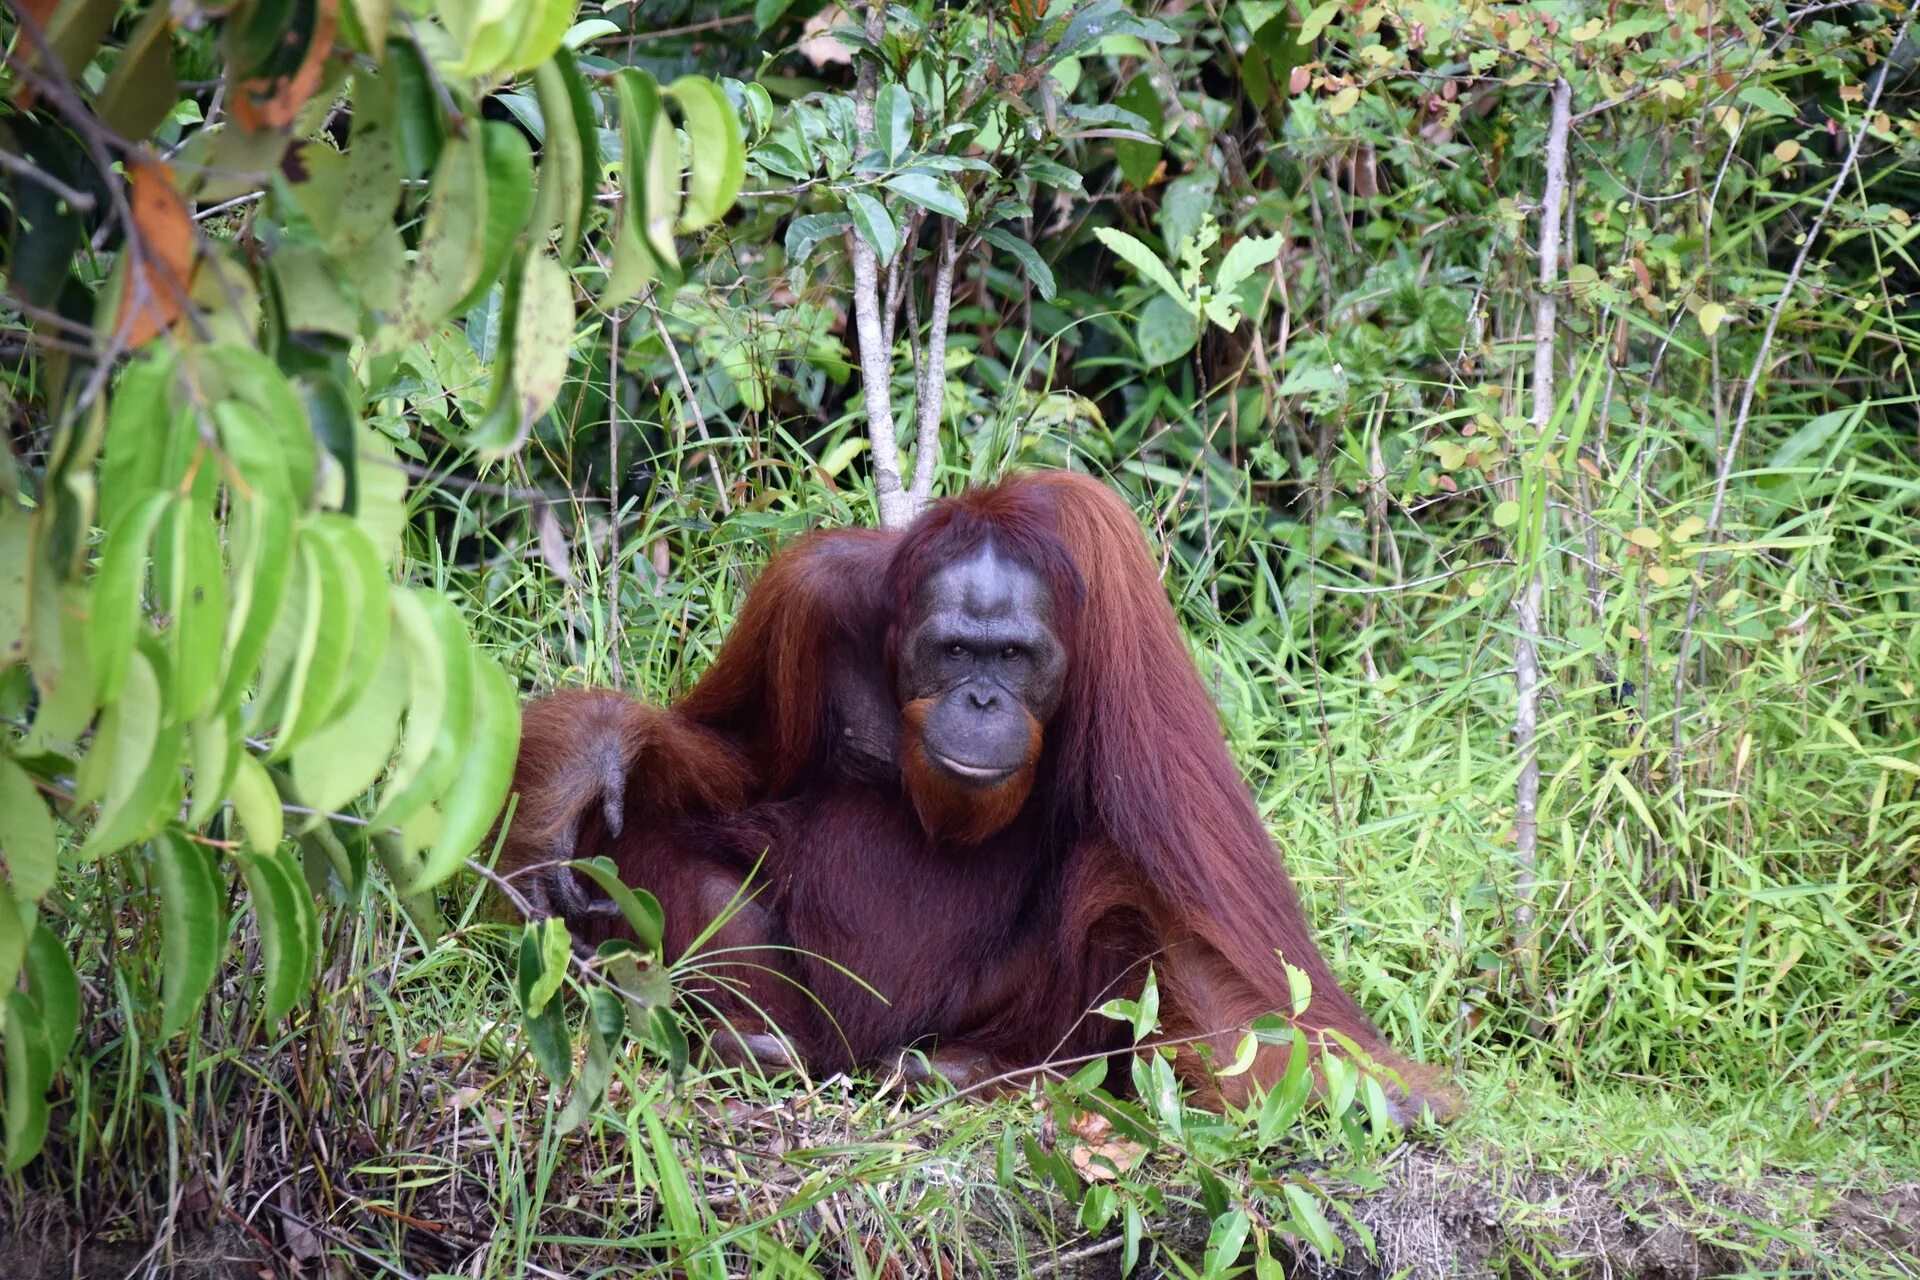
[986, 585]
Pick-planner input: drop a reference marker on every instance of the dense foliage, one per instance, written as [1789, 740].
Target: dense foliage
[1521, 396]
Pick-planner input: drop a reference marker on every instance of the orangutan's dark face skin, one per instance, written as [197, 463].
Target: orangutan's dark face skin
[982, 651]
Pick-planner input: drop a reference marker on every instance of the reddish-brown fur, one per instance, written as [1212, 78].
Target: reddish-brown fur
[991, 923]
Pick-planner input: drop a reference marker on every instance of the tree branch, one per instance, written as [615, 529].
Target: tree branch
[931, 394]
[876, 357]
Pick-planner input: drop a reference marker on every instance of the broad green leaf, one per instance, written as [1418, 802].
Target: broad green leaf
[1036, 267]
[1248, 255]
[509, 169]
[650, 174]
[63, 678]
[366, 578]
[1310, 1222]
[347, 756]
[640, 909]
[718, 155]
[546, 27]
[253, 379]
[874, 225]
[260, 534]
[893, 122]
[214, 746]
[929, 193]
[440, 711]
[382, 505]
[16, 580]
[289, 927]
[27, 839]
[295, 642]
[1224, 1243]
[557, 206]
[256, 803]
[473, 801]
[54, 990]
[29, 1073]
[138, 421]
[453, 243]
[652, 160]
[806, 232]
[1167, 331]
[373, 18]
[118, 591]
[197, 591]
[542, 339]
[141, 91]
[1815, 434]
[1139, 162]
[1142, 259]
[193, 927]
[546, 948]
[133, 766]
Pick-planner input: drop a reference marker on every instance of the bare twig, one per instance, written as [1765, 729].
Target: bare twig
[693, 408]
[77, 200]
[1526, 606]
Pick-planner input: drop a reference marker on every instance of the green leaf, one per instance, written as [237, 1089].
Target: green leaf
[640, 909]
[718, 153]
[118, 590]
[347, 756]
[29, 1074]
[549, 1042]
[545, 950]
[372, 619]
[1147, 1009]
[256, 803]
[929, 193]
[193, 928]
[1224, 1243]
[473, 801]
[1142, 259]
[54, 990]
[254, 380]
[1813, 436]
[27, 837]
[1166, 330]
[214, 749]
[289, 927]
[1248, 255]
[260, 534]
[545, 27]
[133, 765]
[557, 205]
[805, 233]
[295, 643]
[198, 605]
[1768, 101]
[141, 91]
[1140, 161]
[1506, 514]
[543, 338]
[138, 423]
[453, 243]
[650, 170]
[768, 12]
[893, 122]
[440, 711]
[1271, 57]
[16, 580]
[509, 166]
[874, 225]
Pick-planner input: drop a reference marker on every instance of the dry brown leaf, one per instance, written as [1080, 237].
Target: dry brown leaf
[1105, 1161]
[155, 290]
[272, 102]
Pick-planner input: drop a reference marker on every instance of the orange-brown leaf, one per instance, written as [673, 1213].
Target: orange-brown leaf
[272, 102]
[160, 250]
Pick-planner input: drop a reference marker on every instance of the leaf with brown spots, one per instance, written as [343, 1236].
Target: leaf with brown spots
[160, 254]
[272, 101]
